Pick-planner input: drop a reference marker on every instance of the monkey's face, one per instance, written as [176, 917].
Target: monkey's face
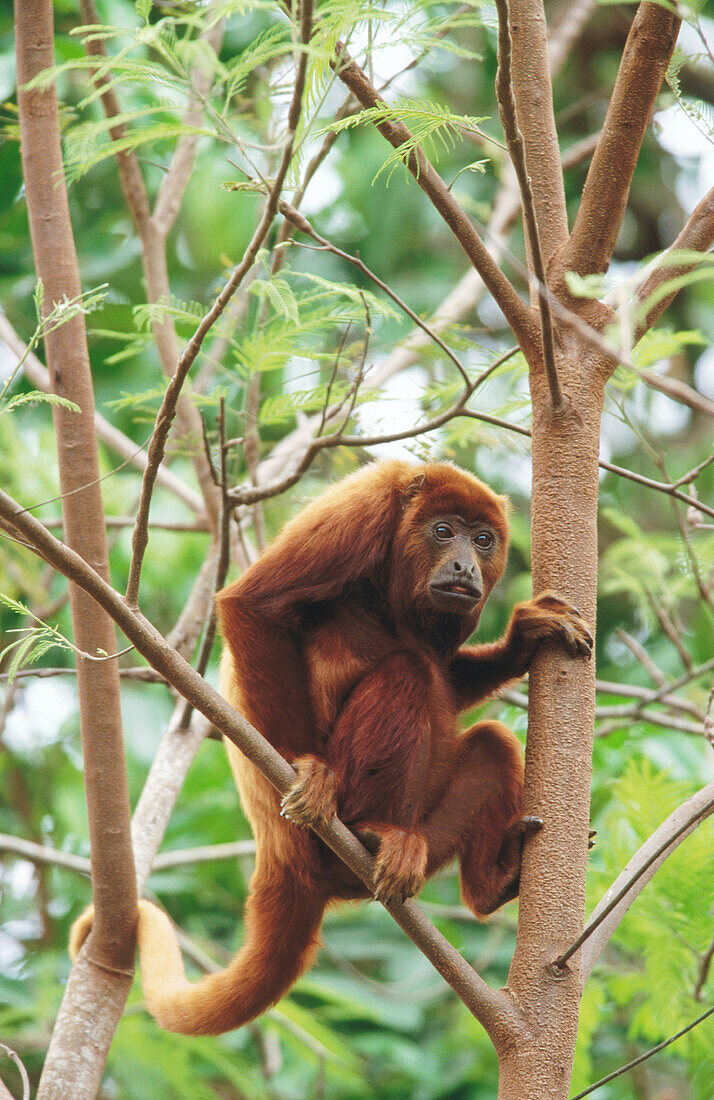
[462, 556]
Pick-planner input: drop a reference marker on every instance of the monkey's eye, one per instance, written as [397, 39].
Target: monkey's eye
[443, 531]
[484, 541]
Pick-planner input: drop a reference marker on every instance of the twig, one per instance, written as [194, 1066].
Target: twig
[643, 657]
[301, 222]
[514, 309]
[147, 675]
[222, 561]
[245, 495]
[109, 435]
[704, 965]
[168, 405]
[638, 872]
[181, 857]
[516, 146]
[643, 1057]
[185, 527]
[21, 1070]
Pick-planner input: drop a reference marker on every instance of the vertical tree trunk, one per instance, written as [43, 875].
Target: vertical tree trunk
[560, 731]
[76, 1058]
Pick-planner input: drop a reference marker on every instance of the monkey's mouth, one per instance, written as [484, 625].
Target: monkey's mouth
[455, 596]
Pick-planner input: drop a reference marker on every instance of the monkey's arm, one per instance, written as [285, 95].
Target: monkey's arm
[478, 671]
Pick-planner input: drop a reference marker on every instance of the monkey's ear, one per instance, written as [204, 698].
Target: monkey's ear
[415, 486]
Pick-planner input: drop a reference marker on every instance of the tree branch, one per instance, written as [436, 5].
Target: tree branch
[534, 103]
[168, 406]
[516, 146]
[495, 1010]
[644, 62]
[515, 310]
[153, 255]
[81, 1038]
[641, 868]
[697, 235]
[643, 1057]
[111, 436]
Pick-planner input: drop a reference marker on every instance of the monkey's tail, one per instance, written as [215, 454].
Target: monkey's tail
[282, 922]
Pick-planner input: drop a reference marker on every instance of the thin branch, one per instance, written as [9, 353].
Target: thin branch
[245, 495]
[168, 405]
[678, 391]
[644, 62]
[515, 310]
[495, 1010]
[164, 861]
[643, 657]
[45, 854]
[300, 222]
[640, 869]
[660, 486]
[643, 1057]
[20, 1069]
[185, 527]
[704, 967]
[665, 721]
[174, 183]
[696, 235]
[153, 257]
[146, 675]
[570, 24]
[109, 435]
[516, 146]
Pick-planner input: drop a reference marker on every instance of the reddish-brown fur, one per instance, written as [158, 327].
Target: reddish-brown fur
[336, 652]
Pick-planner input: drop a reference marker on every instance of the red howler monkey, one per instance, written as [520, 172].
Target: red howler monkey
[344, 647]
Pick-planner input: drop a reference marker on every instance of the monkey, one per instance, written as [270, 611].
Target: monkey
[344, 645]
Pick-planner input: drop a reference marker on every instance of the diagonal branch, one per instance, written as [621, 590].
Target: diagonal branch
[644, 62]
[495, 1010]
[517, 149]
[641, 868]
[514, 309]
[696, 235]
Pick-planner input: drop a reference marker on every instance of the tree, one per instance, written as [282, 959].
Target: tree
[182, 79]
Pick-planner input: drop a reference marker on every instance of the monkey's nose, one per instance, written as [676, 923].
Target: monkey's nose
[461, 568]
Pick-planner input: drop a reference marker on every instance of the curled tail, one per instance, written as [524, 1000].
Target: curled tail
[282, 924]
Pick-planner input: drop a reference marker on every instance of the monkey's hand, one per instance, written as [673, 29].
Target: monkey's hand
[400, 862]
[312, 799]
[547, 618]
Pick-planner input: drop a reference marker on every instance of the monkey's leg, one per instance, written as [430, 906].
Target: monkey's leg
[377, 756]
[479, 817]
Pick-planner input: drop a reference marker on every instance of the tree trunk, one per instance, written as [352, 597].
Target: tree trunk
[560, 731]
[89, 1014]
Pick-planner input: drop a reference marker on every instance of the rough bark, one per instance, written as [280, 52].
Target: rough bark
[560, 732]
[86, 1019]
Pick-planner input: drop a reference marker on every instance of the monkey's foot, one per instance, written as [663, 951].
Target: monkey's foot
[79, 931]
[312, 799]
[400, 864]
[548, 617]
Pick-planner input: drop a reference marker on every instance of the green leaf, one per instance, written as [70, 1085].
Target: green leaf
[37, 397]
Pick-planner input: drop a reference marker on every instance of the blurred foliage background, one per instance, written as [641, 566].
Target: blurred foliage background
[371, 1019]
